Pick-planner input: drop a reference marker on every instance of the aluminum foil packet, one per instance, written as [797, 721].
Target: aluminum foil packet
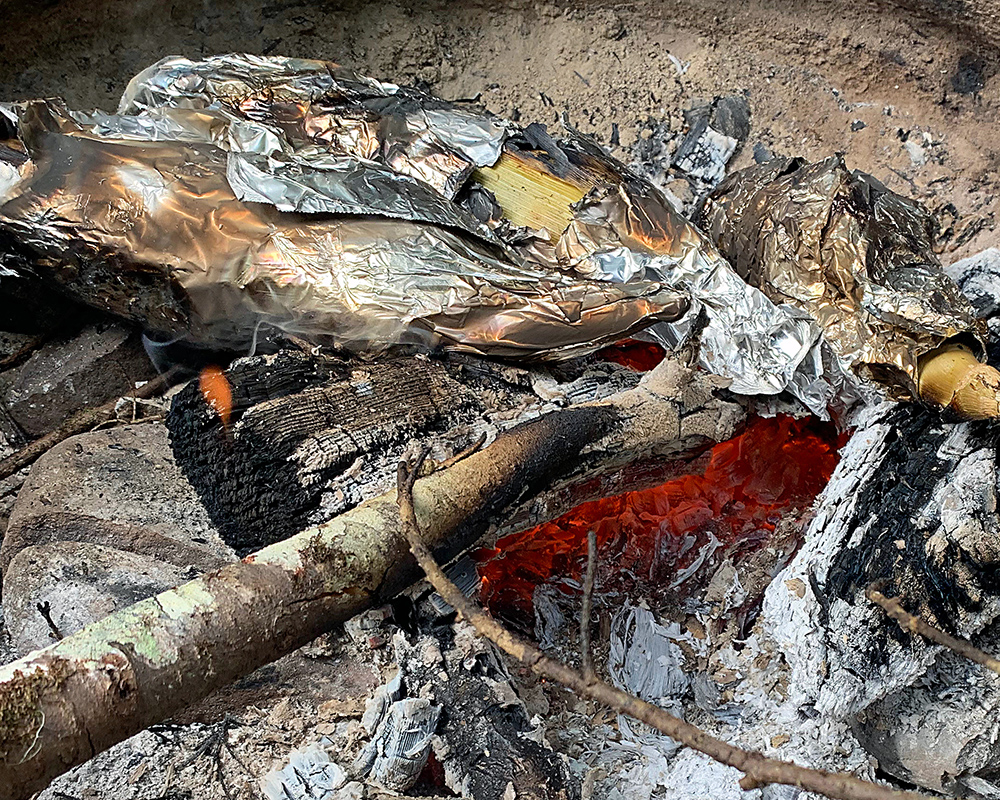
[855, 256]
[240, 191]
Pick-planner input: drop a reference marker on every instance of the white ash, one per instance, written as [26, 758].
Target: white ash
[309, 773]
[978, 276]
[645, 660]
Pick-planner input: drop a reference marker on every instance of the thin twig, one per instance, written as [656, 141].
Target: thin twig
[914, 625]
[46, 611]
[758, 769]
[586, 604]
[24, 352]
[80, 423]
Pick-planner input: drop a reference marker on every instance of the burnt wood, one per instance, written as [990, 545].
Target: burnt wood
[304, 431]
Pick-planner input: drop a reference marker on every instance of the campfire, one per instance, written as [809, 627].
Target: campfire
[363, 443]
[658, 539]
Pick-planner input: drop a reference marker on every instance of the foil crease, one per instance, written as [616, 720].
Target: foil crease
[153, 231]
[319, 103]
[854, 256]
[629, 231]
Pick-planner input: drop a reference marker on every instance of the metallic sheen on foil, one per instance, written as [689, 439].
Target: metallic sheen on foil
[155, 230]
[853, 255]
[241, 190]
[626, 230]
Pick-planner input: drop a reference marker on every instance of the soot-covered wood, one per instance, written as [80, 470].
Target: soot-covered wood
[939, 571]
[304, 429]
[313, 436]
[912, 510]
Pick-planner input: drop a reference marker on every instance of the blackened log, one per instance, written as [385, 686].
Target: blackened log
[912, 510]
[311, 437]
[303, 427]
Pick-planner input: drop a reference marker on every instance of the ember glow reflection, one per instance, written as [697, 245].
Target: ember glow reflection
[662, 535]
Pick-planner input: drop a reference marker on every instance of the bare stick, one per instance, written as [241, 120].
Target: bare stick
[46, 611]
[586, 604]
[758, 769]
[23, 353]
[475, 447]
[914, 625]
[80, 423]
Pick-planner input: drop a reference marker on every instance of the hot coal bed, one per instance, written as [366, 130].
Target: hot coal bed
[701, 289]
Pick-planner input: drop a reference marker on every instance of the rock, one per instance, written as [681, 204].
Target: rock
[118, 487]
[943, 732]
[77, 583]
[61, 378]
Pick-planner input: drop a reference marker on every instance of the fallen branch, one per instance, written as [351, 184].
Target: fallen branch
[758, 770]
[914, 625]
[80, 422]
[586, 604]
[62, 705]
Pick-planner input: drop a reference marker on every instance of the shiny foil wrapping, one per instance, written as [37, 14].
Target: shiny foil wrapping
[855, 256]
[240, 191]
[297, 195]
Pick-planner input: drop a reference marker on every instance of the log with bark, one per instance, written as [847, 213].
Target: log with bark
[61, 705]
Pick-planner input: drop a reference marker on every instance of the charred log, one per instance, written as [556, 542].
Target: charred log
[304, 428]
[912, 511]
[311, 437]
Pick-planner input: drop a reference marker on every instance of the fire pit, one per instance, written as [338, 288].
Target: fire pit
[765, 418]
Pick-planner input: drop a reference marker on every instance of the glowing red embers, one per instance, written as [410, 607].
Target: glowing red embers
[774, 468]
[631, 353]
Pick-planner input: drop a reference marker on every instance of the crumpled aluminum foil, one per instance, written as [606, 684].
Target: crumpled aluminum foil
[853, 255]
[155, 230]
[240, 190]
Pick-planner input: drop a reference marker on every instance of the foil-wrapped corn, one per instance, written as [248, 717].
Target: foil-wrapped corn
[859, 259]
[241, 191]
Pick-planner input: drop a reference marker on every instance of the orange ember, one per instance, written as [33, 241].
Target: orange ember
[215, 389]
[775, 468]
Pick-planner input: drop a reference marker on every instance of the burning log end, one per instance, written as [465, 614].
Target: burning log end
[952, 377]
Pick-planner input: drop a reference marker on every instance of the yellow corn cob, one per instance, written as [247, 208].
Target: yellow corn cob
[531, 194]
[950, 376]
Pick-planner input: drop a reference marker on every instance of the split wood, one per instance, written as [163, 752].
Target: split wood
[914, 625]
[758, 769]
[81, 422]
